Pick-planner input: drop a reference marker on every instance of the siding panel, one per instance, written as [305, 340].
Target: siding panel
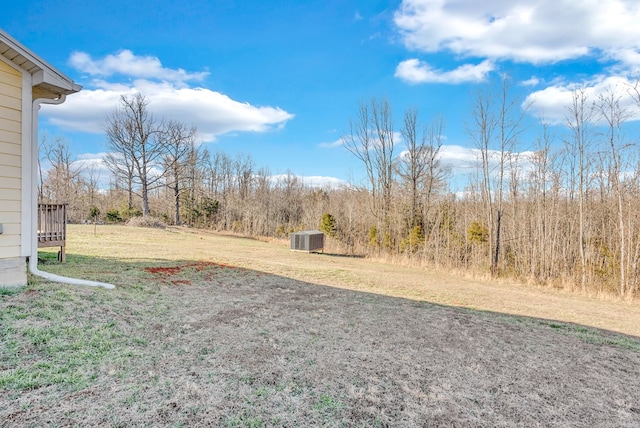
[10, 90]
[11, 126]
[11, 206]
[10, 183]
[9, 114]
[9, 194]
[9, 148]
[10, 228]
[10, 217]
[10, 240]
[9, 251]
[10, 165]
[6, 71]
[9, 160]
[9, 171]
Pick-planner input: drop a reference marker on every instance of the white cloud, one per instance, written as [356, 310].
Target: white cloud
[92, 160]
[551, 103]
[213, 113]
[416, 71]
[314, 181]
[127, 64]
[533, 81]
[545, 31]
[322, 182]
[337, 143]
[459, 161]
[465, 162]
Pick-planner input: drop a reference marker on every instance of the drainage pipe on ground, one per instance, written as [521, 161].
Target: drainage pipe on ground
[33, 259]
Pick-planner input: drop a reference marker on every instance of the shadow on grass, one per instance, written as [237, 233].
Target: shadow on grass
[153, 272]
[342, 255]
[185, 342]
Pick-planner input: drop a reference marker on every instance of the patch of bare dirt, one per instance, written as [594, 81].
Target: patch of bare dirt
[163, 270]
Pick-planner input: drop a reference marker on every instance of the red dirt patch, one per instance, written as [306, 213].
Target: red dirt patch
[167, 271]
[199, 266]
[202, 265]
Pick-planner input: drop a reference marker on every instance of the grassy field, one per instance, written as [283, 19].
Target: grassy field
[209, 330]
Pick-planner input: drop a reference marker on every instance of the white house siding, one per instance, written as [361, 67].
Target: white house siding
[12, 265]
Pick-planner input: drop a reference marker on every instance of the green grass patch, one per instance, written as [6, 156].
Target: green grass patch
[595, 336]
[58, 335]
[57, 352]
[587, 334]
[54, 334]
[10, 291]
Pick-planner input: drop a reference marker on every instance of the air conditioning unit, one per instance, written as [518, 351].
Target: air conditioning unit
[307, 240]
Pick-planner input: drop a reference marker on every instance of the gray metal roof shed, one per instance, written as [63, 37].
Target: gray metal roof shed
[307, 240]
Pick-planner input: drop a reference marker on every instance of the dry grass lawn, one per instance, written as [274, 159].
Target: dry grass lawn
[208, 330]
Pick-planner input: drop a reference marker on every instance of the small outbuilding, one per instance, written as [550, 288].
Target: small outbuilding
[307, 240]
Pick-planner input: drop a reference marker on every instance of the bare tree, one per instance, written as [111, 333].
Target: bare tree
[483, 133]
[119, 158]
[579, 119]
[244, 167]
[63, 173]
[615, 116]
[542, 254]
[179, 141]
[419, 167]
[135, 140]
[496, 130]
[510, 118]
[372, 140]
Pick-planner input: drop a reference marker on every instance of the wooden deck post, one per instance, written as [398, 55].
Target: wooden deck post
[52, 227]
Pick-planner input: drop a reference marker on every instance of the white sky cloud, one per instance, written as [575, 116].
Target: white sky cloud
[545, 31]
[127, 64]
[213, 113]
[551, 102]
[533, 81]
[463, 162]
[333, 144]
[416, 71]
[541, 32]
[315, 181]
[92, 160]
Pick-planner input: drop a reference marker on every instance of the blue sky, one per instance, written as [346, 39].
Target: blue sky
[280, 80]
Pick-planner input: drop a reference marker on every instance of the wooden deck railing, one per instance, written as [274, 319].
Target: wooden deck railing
[52, 227]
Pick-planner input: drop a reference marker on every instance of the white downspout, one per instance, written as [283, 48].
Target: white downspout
[33, 259]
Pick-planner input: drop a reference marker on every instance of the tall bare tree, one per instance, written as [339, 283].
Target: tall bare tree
[134, 138]
[419, 167]
[119, 159]
[64, 175]
[482, 132]
[179, 141]
[372, 140]
[497, 125]
[615, 116]
[579, 119]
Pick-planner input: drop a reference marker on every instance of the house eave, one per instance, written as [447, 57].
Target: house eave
[51, 82]
[48, 81]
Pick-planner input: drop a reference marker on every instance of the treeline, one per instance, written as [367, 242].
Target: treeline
[561, 209]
